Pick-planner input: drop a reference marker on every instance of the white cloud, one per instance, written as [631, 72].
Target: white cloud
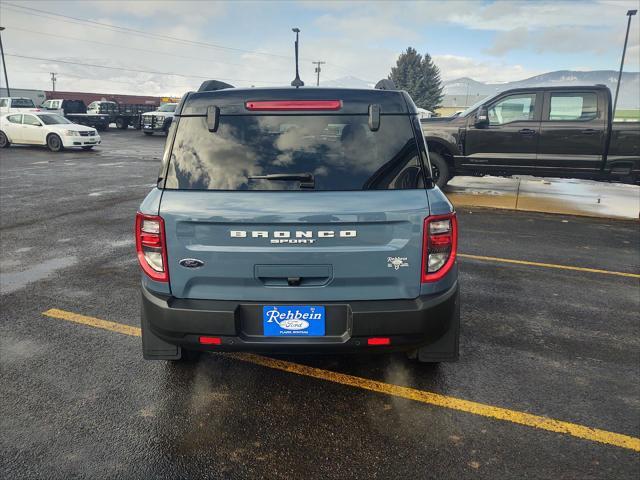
[453, 66]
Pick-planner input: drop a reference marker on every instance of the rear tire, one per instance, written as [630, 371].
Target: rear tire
[54, 142]
[440, 169]
[4, 141]
[121, 123]
[102, 127]
[148, 133]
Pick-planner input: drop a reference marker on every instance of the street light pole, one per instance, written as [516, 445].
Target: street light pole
[630, 14]
[296, 81]
[4, 64]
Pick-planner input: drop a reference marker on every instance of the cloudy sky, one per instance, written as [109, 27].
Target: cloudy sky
[250, 43]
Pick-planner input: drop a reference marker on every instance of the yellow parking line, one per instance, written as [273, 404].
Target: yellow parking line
[430, 398]
[547, 265]
[93, 322]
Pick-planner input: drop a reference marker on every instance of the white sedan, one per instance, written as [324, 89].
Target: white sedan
[52, 130]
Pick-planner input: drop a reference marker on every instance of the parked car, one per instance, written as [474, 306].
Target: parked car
[122, 115]
[158, 121]
[76, 111]
[16, 104]
[297, 220]
[546, 132]
[52, 130]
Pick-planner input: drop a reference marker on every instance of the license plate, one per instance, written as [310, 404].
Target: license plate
[293, 321]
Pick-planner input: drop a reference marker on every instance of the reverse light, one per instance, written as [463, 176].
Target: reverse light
[151, 246]
[440, 243]
[291, 105]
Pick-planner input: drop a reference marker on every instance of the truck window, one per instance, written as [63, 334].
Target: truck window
[22, 103]
[339, 151]
[514, 108]
[15, 118]
[3, 102]
[571, 107]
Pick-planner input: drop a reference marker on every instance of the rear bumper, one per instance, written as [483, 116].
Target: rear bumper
[409, 324]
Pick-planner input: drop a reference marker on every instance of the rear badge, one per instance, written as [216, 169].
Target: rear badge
[191, 263]
[397, 262]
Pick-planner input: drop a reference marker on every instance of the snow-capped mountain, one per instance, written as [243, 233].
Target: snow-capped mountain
[629, 88]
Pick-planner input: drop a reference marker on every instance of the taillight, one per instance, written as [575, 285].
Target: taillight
[151, 246]
[440, 242]
[283, 105]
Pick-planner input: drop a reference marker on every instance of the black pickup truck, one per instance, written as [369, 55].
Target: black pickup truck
[545, 131]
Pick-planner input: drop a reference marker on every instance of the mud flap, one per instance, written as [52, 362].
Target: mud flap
[446, 348]
[155, 348]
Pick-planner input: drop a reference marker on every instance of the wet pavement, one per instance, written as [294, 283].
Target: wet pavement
[79, 401]
[547, 195]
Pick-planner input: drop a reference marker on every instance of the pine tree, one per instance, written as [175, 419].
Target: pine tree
[420, 77]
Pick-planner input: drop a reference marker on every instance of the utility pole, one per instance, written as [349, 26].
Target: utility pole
[630, 14]
[318, 70]
[53, 80]
[4, 65]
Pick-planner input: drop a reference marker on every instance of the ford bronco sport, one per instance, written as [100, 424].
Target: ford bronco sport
[297, 220]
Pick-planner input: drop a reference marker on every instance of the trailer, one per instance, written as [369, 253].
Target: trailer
[76, 111]
[122, 115]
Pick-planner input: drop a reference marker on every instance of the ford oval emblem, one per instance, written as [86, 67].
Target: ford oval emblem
[191, 263]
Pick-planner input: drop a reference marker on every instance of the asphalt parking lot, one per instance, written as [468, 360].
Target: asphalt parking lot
[548, 384]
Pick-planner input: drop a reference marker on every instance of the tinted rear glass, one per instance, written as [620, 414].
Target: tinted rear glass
[22, 103]
[339, 151]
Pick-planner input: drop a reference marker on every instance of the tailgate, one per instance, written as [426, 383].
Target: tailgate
[294, 246]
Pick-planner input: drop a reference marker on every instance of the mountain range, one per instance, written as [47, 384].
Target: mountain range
[629, 89]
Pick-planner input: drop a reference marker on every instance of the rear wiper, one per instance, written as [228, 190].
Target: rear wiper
[306, 179]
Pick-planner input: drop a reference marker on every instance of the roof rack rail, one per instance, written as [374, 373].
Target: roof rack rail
[212, 85]
[385, 84]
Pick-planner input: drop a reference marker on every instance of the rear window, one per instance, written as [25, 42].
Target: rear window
[333, 152]
[22, 103]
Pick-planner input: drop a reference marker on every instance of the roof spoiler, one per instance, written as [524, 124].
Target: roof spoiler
[385, 84]
[213, 85]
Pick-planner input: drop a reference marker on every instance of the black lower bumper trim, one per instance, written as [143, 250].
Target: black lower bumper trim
[408, 323]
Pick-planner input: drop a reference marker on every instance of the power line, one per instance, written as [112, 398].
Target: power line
[135, 70]
[141, 32]
[121, 46]
[134, 31]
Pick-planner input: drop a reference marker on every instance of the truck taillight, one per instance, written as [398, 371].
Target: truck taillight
[151, 246]
[440, 242]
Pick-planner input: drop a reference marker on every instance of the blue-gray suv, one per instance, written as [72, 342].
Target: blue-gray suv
[297, 220]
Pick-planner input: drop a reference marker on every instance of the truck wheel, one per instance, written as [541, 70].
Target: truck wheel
[121, 123]
[101, 127]
[440, 169]
[148, 133]
[54, 143]
[4, 141]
